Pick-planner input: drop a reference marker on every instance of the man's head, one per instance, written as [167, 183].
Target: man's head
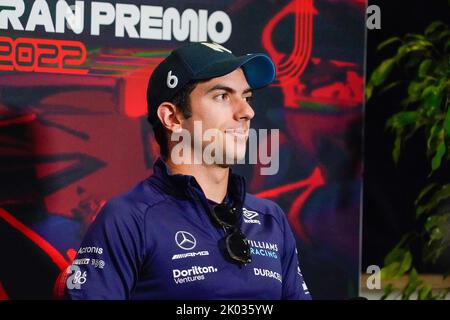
[205, 83]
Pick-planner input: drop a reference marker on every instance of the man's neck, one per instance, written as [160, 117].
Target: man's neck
[212, 179]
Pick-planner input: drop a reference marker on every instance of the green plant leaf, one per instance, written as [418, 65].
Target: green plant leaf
[406, 262]
[412, 47]
[414, 61]
[436, 234]
[425, 292]
[431, 222]
[444, 34]
[401, 52]
[390, 86]
[396, 150]
[424, 67]
[447, 123]
[439, 195]
[443, 294]
[388, 42]
[440, 151]
[427, 91]
[395, 255]
[368, 91]
[414, 91]
[398, 122]
[415, 36]
[412, 285]
[433, 138]
[418, 45]
[432, 96]
[390, 271]
[424, 192]
[402, 119]
[396, 263]
[438, 229]
[387, 291]
[433, 27]
[380, 74]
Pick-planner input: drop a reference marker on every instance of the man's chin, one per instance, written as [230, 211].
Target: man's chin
[235, 159]
[227, 158]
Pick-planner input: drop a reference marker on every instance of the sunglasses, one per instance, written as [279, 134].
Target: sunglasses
[235, 241]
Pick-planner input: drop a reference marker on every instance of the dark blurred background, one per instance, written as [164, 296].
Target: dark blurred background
[389, 189]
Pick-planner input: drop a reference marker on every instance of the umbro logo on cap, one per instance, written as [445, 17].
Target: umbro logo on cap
[216, 46]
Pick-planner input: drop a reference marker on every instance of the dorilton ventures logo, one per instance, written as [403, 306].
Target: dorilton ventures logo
[192, 274]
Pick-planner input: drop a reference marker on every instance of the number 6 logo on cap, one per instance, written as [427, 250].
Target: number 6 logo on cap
[172, 80]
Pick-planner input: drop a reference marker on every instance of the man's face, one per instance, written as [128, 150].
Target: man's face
[223, 104]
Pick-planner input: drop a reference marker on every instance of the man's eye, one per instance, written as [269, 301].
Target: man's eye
[222, 97]
[249, 99]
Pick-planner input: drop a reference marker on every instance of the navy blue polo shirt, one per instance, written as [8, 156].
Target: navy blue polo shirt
[158, 242]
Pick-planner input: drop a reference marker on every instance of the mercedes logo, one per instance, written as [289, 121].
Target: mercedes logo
[185, 240]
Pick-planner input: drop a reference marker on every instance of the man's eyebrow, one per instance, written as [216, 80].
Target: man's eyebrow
[227, 89]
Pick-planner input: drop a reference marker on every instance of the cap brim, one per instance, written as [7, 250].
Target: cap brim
[258, 68]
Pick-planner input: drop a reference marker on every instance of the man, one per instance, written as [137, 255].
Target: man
[190, 231]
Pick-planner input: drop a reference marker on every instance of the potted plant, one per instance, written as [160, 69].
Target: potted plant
[423, 59]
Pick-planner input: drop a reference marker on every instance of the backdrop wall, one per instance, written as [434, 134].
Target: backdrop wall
[73, 128]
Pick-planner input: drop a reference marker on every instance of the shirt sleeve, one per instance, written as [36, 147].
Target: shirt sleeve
[294, 286]
[107, 263]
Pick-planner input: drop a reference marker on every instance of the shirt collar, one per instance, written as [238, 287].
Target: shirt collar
[181, 184]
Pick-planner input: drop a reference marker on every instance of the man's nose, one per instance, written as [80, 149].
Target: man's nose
[243, 110]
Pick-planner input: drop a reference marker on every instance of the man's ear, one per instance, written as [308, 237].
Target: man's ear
[169, 117]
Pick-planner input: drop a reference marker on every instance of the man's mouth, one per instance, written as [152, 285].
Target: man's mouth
[239, 133]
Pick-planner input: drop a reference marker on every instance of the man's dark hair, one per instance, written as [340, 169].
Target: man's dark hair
[183, 102]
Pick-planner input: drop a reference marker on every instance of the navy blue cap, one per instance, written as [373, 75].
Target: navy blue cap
[200, 61]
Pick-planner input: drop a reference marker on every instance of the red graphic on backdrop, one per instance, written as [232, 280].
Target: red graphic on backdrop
[291, 66]
[314, 181]
[43, 244]
[3, 295]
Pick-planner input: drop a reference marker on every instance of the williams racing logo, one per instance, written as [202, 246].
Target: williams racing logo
[264, 249]
[250, 216]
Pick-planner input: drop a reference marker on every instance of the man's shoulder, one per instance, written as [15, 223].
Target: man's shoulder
[144, 195]
[261, 203]
[264, 207]
[137, 200]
